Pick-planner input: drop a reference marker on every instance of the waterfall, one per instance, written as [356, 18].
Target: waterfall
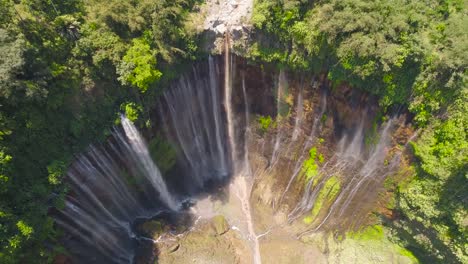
[216, 112]
[281, 90]
[228, 101]
[151, 172]
[371, 168]
[103, 204]
[299, 112]
[359, 173]
[199, 116]
[240, 185]
[246, 164]
[308, 144]
[191, 116]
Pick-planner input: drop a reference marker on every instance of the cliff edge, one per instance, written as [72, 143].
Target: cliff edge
[221, 17]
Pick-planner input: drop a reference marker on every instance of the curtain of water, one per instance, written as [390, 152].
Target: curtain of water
[280, 109]
[111, 186]
[359, 173]
[228, 102]
[193, 121]
[299, 113]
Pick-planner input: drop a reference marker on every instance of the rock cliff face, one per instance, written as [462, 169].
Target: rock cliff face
[306, 112]
[308, 165]
[352, 144]
[312, 158]
[226, 18]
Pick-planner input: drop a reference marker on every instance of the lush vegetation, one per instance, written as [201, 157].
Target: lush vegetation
[265, 123]
[67, 69]
[328, 192]
[413, 54]
[310, 166]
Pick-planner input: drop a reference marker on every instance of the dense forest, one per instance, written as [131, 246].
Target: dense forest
[68, 68]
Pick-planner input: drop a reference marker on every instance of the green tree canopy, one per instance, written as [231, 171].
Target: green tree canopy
[138, 66]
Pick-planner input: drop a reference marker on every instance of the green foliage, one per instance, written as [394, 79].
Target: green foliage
[261, 13]
[434, 201]
[407, 253]
[310, 166]
[375, 232]
[6, 12]
[444, 149]
[277, 19]
[323, 119]
[24, 229]
[327, 194]
[163, 153]
[12, 61]
[438, 192]
[265, 123]
[321, 159]
[138, 66]
[132, 110]
[372, 135]
[5, 161]
[103, 45]
[59, 92]
[388, 49]
[56, 171]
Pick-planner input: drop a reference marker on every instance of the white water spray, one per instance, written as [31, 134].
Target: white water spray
[246, 163]
[239, 185]
[216, 111]
[281, 90]
[228, 102]
[102, 205]
[299, 113]
[152, 172]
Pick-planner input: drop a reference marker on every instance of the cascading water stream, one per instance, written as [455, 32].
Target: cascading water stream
[372, 165]
[141, 151]
[200, 118]
[240, 184]
[357, 172]
[102, 204]
[281, 90]
[299, 113]
[228, 102]
[216, 112]
[246, 164]
[308, 144]
[191, 117]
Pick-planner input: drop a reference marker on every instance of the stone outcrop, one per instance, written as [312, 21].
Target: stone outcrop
[224, 17]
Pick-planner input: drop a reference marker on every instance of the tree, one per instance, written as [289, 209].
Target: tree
[11, 62]
[138, 66]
